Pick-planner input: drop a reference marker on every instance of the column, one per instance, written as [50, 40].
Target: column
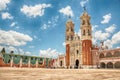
[20, 62]
[29, 63]
[36, 63]
[11, 62]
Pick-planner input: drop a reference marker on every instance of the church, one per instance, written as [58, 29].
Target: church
[80, 52]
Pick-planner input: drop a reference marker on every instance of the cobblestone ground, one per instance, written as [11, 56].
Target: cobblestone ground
[58, 74]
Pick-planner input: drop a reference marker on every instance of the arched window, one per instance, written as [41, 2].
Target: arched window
[101, 55]
[83, 32]
[109, 65]
[83, 22]
[89, 32]
[71, 37]
[109, 54]
[77, 51]
[117, 65]
[71, 29]
[67, 38]
[116, 54]
[61, 63]
[102, 65]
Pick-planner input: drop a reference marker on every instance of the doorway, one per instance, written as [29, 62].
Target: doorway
[77, 64]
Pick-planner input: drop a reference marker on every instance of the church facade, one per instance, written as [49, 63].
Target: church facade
[78, 47]
[80, 52]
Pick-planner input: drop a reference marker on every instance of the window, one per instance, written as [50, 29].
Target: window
[88, 22]
[89, 32]
[83, 22]
[71, 37]
[83, 32]
[71, 29]
[77, 52]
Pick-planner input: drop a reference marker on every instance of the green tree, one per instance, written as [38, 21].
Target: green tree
[3, 51]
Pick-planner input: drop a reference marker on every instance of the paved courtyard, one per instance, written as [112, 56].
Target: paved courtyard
[58, 74]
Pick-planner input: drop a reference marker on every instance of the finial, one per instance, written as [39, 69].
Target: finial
[69, 16]
[84, 8]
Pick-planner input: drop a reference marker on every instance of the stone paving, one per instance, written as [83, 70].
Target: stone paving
[58, 74]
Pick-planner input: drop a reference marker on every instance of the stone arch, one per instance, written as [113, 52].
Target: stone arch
[61, 63]
[117, 64]
[116, 54]
[109, 65]
[109, 54]
[77, 63]
[101, 55]
[102, 65]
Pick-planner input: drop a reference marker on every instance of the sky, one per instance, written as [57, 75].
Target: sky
[38, 27]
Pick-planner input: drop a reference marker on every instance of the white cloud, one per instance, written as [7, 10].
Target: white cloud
[50, 53]
[51, 23]
[17, 27]
[94, 41]
[6, 15]
[118, 47]
[28, 53]
[34, 11]
[13, 38]
[99, 35]
[35, 37]
[21, 51]
[108, 43]
[116, 38]
[83, 2]
[106, 18]
[13, 24]
[45, 26]
[67, 11]
[64, 44]
[31, 46]
[8, 49]
[3, 4]
[111, 29]
[94, 27]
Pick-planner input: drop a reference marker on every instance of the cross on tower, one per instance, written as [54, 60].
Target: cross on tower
[84, 8]
[69, 16]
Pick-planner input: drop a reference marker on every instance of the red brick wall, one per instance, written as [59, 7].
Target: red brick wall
[2, 64]
[67, 55]
[86, 52]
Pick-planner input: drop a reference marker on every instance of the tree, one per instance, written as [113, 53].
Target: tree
[3, 51]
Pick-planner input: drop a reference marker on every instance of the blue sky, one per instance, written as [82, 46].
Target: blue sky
[38, 27]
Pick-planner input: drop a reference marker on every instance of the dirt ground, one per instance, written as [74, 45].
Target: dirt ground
[58, 74]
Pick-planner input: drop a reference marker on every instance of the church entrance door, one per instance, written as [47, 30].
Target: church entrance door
[77, 64]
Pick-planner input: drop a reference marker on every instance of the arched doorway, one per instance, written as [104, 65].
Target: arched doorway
[77, 64]
[109, 65]
[61, 63]
[102, 65]
[117, 65]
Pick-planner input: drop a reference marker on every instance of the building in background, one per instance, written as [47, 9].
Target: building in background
[17, 60]
[80, 52]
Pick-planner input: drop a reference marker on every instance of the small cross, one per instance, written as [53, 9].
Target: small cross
[69, 16]
[84, 8]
